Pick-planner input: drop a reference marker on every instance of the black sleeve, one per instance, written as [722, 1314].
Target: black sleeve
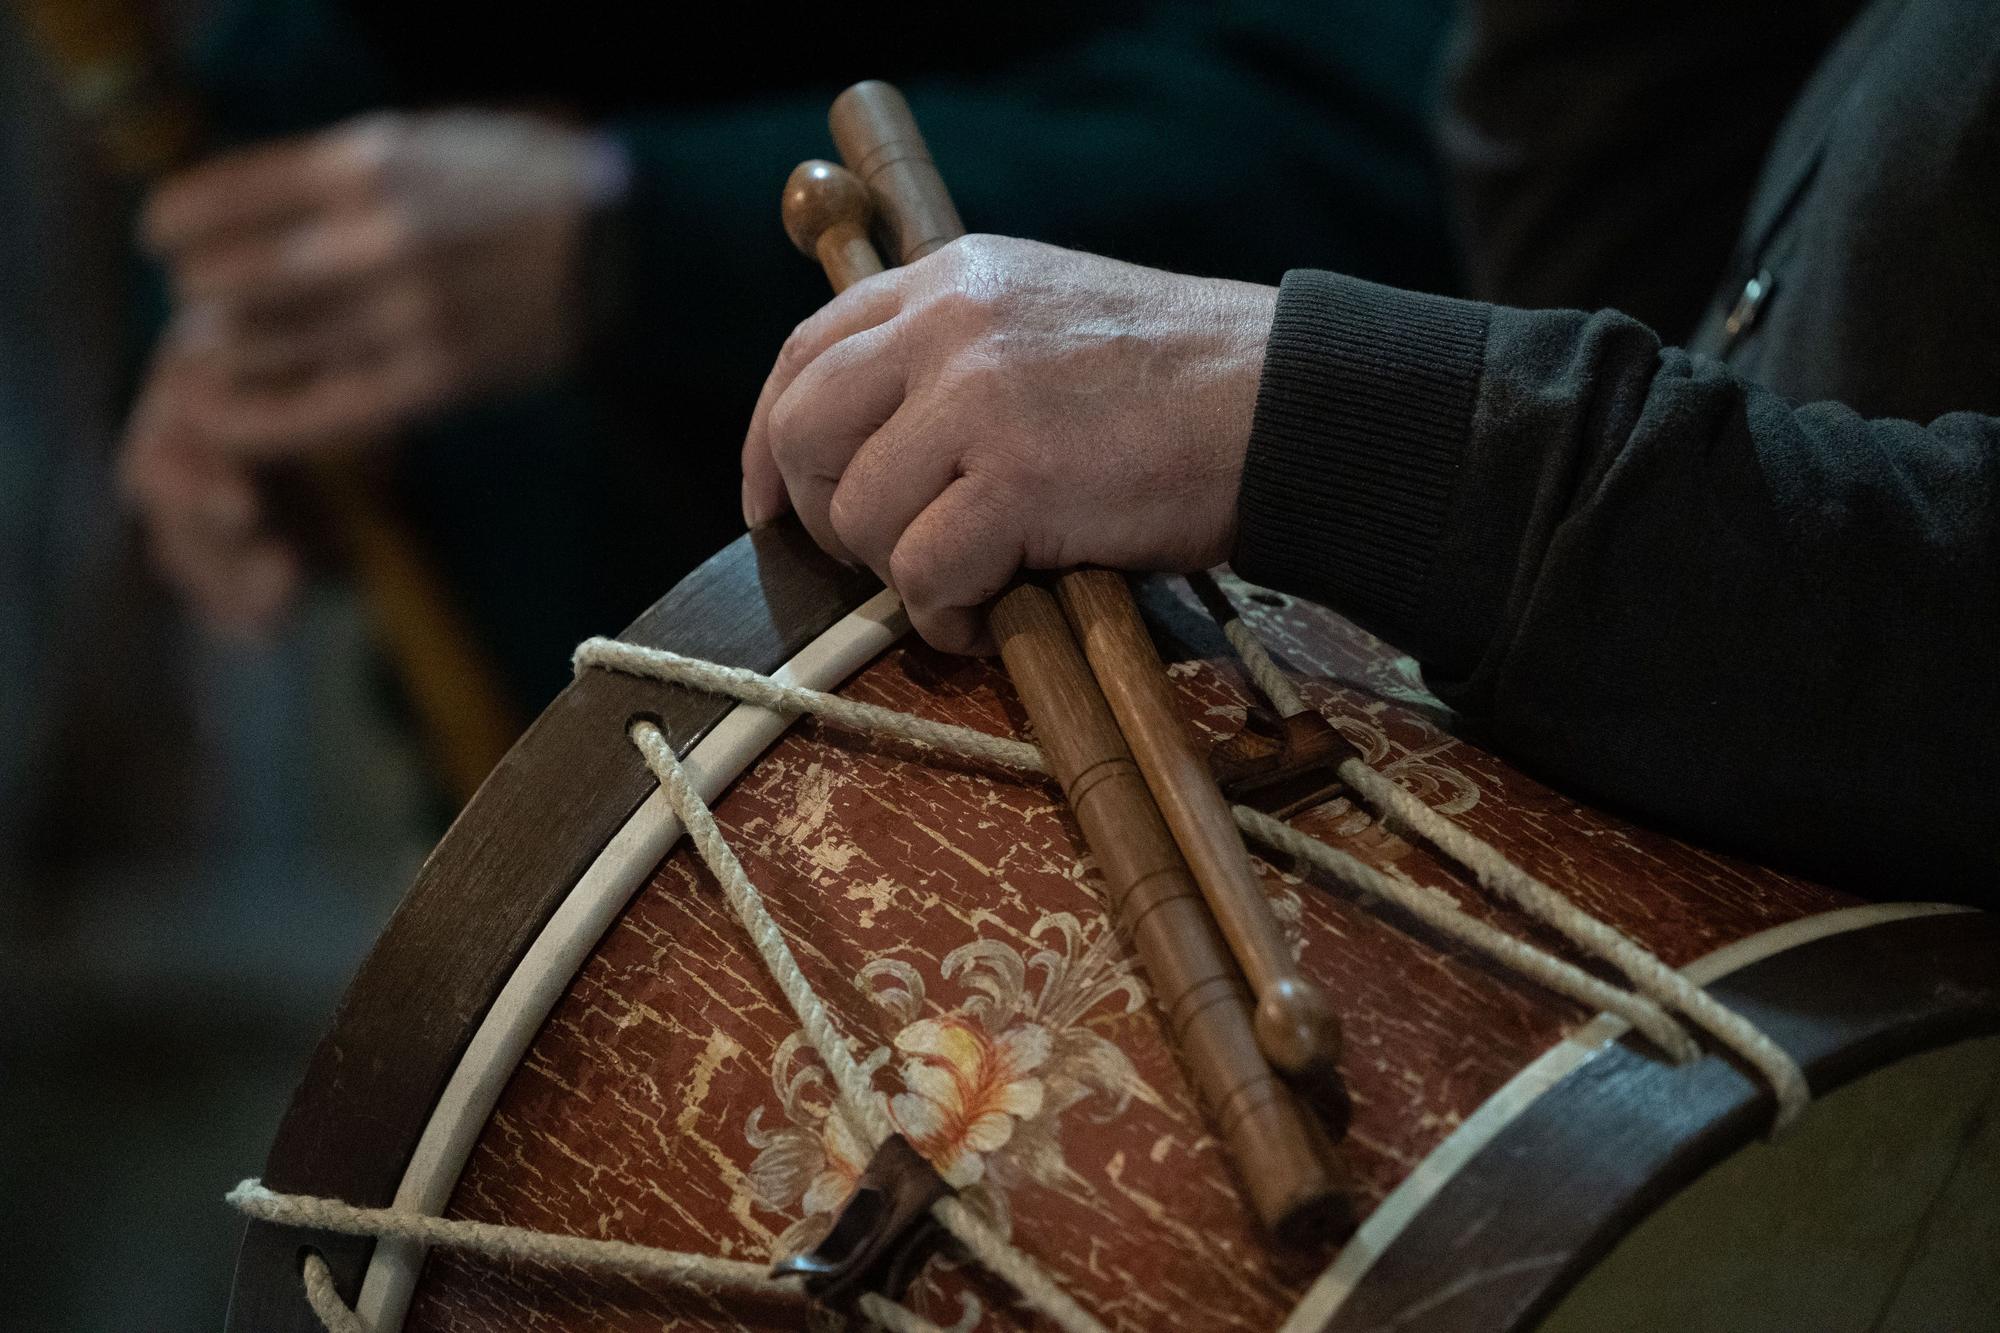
[1603, 154]
[1774, 627]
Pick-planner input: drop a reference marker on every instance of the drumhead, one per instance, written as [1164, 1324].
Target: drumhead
[1875, 1213]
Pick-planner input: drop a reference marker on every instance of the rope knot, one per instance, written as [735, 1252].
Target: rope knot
[881, 1237]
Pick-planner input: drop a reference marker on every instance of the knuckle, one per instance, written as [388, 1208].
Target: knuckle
[976, 291]
[786, 437]
[964, 306]
[793, 356]
[972, 252]
[910, 575]
[851, 519]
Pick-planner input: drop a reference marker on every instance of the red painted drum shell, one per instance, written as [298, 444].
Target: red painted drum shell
[950, 919]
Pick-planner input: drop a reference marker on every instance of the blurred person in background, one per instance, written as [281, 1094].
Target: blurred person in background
[530, 264]
[543, 260]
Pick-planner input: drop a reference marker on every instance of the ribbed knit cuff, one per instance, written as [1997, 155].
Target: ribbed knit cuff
[1363, 415]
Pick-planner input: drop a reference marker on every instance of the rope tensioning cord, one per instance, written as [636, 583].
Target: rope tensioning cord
[1657, 988]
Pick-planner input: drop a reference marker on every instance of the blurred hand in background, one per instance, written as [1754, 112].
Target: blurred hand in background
[331, 290]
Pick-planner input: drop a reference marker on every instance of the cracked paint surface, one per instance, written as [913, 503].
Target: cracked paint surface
[952, 921]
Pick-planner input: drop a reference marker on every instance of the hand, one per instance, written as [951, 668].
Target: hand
[1001, 405]
[205, 522]
[333, 288]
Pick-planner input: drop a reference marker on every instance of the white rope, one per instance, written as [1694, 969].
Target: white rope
[860, 1103]
[495, 1241]
[325, 1300]
[1029, 1280]
[1657, 984]
[1492, 868]
[492, 1241]
[1435, 908]
[896, 1318]
[791, 700]
[1272, 683]
[1648, 974]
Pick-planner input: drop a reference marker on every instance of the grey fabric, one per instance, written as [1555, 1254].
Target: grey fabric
[1750, 591]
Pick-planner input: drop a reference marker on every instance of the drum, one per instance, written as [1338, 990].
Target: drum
[564, 1028]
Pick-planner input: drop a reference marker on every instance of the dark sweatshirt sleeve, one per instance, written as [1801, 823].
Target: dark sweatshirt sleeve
[1770, 626]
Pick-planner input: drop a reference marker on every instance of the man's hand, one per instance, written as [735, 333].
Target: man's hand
[1004, 405]
[331, 289]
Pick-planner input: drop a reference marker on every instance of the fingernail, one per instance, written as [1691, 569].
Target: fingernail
[755, 512]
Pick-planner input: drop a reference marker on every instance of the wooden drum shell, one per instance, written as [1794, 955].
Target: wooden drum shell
[1614, 1132]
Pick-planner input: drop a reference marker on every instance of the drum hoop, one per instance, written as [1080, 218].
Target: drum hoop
[566, 942]
[486, 891]
[569, 925]
[1517, 1098]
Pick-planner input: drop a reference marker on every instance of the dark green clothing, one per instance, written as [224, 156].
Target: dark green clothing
[1228, 138]
[1749, 588]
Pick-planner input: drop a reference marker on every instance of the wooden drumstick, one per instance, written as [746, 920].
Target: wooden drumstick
[827, 214]
[1295, 1022]
[1296, 1025]
[1277, 1149]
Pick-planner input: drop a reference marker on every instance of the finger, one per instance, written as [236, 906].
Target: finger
[220, 503]
[344, 407]
[189, 550]
[764, 494]
[866, 304]
[262, 583]
[193, 489]
[895, 474]
[241, 589]
[351, 328]
[205, 525]
[149, 447]
[266, 186]
[827, 414]
[321, 254]
[957, 556]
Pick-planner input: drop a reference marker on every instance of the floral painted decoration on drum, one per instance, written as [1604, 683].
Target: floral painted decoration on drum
[985, 1085]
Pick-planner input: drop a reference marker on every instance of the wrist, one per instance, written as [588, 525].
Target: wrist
[1244, 312]
[1364, 411]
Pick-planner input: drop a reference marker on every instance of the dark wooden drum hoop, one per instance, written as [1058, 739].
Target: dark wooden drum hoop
[1579, 1162]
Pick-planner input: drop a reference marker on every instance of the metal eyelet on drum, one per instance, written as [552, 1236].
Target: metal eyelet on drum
[1749, 307]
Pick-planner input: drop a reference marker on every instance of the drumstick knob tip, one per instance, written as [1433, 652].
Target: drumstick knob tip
[1296, 1027]
[819, 196]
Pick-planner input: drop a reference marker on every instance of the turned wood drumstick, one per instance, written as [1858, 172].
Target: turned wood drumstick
[1278, 1151]
[1295, 1022]
[827, 214]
